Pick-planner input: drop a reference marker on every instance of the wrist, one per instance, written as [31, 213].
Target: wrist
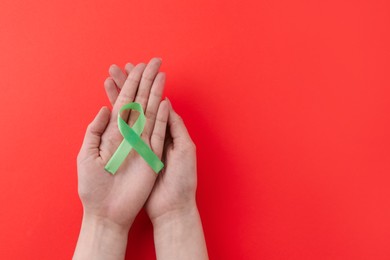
[179, 235]
[178, 214]
[115, 221]
[103, 224]
[101, 238]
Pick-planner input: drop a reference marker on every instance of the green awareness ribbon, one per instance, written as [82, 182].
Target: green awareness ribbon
[132, 140]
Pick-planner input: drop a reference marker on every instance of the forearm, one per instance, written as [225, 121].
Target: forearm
[179, 235]
[100, 239]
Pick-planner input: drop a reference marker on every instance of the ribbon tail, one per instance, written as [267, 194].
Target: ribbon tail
[118, 157]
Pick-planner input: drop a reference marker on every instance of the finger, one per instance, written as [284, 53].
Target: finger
[117, 75]
[154, 102]
[128, 68]
[114, 83]
[111, 90]
[177, 128]
[129, 90]
[112, 137]
[145, 85]
[94, 132]
[158, 136]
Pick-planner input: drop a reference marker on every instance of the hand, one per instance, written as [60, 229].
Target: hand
[178, 232]
[174, 190]
[113, 201]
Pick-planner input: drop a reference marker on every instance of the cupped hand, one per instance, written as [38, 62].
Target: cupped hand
[174, 190]
[118, 198]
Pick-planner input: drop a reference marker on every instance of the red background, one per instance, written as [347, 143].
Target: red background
[287, 101]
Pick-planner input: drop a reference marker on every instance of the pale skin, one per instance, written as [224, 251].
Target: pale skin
[110, 202]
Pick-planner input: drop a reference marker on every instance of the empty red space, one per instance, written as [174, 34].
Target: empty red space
[287, 102]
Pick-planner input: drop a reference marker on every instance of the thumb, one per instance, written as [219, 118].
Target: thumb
[177, 128]
[94, 132]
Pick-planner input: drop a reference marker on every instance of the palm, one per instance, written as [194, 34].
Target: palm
[119, 197]
[115, 197]
[175, 186]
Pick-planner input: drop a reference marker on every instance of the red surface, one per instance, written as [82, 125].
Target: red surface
[287, 101]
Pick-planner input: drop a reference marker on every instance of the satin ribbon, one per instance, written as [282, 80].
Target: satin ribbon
[132, 140]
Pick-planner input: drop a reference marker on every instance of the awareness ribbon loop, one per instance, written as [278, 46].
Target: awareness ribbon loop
[132, 140]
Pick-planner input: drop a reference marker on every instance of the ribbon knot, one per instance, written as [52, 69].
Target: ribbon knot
[132, 140]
